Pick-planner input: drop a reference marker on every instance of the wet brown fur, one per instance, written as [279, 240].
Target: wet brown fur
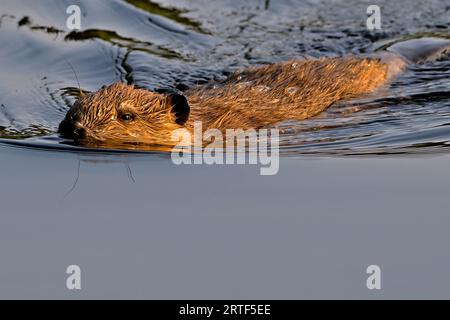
[297, 90]
[253, 98]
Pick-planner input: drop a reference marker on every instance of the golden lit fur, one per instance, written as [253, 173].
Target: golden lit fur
[297, 90]
[253, 98]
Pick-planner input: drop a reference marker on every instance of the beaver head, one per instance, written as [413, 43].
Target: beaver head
[122, 115]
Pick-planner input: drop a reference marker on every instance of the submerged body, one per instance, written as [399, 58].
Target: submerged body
[253, 98]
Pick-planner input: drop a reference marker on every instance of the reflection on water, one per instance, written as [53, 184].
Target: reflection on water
[170, 13]
[179, 43]
[114, 39]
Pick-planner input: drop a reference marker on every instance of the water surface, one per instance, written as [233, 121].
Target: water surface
[177, 44]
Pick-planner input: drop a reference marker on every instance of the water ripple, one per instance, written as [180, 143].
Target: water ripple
[179, 43]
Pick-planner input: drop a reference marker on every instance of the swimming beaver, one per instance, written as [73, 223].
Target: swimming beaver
[253, 98]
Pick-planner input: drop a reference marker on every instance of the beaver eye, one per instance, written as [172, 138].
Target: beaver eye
[126, 117]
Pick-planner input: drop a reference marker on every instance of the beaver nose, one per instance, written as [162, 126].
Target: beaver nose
[79, 132]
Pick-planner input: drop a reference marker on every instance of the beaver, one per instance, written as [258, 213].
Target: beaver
[257, 97]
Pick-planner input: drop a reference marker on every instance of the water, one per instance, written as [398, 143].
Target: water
[177, 44]
[141, 227]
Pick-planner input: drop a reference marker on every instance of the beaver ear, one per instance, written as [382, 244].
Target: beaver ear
[180, 107]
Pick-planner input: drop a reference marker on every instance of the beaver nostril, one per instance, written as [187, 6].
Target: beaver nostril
[79, 133]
